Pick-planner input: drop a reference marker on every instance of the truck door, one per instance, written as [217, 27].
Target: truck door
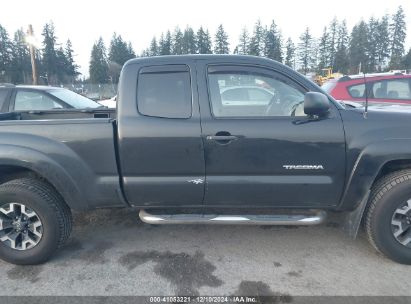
[260, 148]
[160, 146]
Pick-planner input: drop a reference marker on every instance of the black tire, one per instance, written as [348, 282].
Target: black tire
[387, 195]
[53, 212]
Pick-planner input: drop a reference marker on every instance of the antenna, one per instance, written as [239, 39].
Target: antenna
[366, 97]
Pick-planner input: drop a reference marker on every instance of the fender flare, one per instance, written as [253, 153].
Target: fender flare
[366, 169]
[47, 168]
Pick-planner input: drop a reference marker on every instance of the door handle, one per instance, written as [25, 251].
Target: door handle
[222, 137]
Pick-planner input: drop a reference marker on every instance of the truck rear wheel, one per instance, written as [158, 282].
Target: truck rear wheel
[34, 221]
[388, 217]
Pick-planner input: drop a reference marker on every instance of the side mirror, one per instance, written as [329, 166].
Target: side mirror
[316, 104]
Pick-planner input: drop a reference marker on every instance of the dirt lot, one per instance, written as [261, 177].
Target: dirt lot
[112, 253]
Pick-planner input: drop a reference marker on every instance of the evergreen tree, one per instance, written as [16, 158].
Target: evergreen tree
[221, 41]
[290, 53]
[21, 62]
[160, 43]
[209, 43]
[61, 66]
[306, 51]
[372, 45]
[71, 67]
[98, 68]
[398, 30]
[130, 50]
[203, 42]
[5, 55]
[273, 43]
[358, 48]
[153, 50]
[40, 68]
[323, 50]
[49, 54]
[120, 52]
[383, 42]
[165, 44]
[342, 63]
[189, 41]
[332, 42]
[177, 48]
[314, 61]
[243, 46]
[118, 55]
[256, 47]
[145, 53]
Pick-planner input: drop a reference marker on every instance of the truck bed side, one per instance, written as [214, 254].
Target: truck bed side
[77, 156]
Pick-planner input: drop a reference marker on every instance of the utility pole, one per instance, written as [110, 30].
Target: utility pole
[32, 55]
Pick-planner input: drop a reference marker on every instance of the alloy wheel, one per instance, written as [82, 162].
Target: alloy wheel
[20, 227]
[401, 224]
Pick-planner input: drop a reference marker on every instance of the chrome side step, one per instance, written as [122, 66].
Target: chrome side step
[272, 219]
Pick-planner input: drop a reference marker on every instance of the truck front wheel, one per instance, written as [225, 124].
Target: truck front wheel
[34, 221]
[388, 217]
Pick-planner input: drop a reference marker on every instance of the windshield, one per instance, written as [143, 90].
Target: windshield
[73, 99]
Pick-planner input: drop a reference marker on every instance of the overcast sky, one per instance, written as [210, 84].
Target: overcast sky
[137, 21]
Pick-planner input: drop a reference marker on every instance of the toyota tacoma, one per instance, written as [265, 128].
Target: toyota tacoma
[204, 139]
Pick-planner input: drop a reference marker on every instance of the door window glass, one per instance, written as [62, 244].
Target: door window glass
[357, 91]
[241, 94]
[378, 90]
[398, 89]
[34, 101]
[392, 89]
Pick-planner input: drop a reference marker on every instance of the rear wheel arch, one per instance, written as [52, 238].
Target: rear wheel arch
[10, 172]
[54, 162]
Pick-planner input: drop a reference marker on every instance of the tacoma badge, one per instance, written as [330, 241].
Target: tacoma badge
[196, 181]
[303, 167]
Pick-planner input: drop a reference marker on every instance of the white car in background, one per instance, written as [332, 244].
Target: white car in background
[240, 95]
[109, 103]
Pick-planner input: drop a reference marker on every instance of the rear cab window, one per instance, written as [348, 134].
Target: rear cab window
[164, 91]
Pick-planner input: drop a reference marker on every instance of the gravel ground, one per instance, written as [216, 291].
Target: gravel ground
[111, 252]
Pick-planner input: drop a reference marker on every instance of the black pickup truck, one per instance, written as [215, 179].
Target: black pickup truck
[206, 140]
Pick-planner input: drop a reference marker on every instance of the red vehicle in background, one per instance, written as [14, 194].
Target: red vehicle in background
[381, 88]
